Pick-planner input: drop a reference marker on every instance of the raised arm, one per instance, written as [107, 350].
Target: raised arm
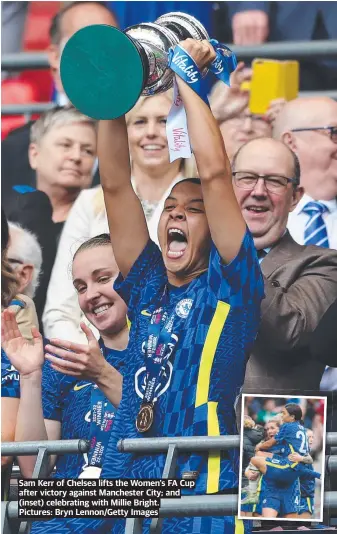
[128, 229]
[265, 445]
[28, 359]
[225, 220]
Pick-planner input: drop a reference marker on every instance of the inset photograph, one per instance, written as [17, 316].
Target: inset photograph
[282, 458]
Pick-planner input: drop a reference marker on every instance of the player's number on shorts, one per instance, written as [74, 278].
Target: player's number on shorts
[297, 500]
[304, 444]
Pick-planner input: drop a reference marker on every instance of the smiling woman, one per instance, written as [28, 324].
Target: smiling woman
[153, 176]
[64, 382]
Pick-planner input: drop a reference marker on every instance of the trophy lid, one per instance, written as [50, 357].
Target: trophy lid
[184, 25]
[102, 72]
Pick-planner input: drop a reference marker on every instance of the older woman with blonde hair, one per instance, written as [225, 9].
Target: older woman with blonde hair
[153, 176]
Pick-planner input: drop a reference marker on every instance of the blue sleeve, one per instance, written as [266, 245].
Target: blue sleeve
[238, 7]
[51, 393]
[240, 283]
[148, 269]
[10, 378]
[282, 433]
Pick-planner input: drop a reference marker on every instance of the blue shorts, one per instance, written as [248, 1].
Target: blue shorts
[307, 505]
[247, 507]
[280, 472]
[284, 500]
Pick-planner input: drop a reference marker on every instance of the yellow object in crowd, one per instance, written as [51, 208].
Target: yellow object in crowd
[272, 79]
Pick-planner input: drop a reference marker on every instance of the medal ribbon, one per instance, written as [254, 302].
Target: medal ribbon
[102, 415]
[184, 66]
[159, 347]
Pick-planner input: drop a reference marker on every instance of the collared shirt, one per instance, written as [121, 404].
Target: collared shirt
[262, 253]
[298, 219]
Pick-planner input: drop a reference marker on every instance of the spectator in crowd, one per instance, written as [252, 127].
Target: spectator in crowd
[203, 276]
[21, 305]
[63, 384]
[13, 18]
[73, 16]
[252, 435]
[62, 152]
[267, 412]
[135, 11]
[32, 209]
[25, 257]
[256, 22]
[300, 281]
[152, 178]
[309, 127]
[9, 376]
[230, 107]
[9, 282]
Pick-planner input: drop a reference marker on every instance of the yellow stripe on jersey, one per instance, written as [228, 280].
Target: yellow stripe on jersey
[239, 526]
[258, 493]
[278, 466]
[128, 322]
[208, 352]
[282, 466]
[202, 393]
[309, 504]
[213, 466]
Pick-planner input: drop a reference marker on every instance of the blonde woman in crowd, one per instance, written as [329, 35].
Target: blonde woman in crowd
[153, 176]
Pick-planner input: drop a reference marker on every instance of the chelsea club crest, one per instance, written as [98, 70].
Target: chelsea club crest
[183, 308]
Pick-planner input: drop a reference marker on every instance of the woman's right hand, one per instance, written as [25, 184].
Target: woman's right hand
[26, 357]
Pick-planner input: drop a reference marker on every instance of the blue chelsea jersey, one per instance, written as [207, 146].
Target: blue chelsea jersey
[10, 378]
[68, 400]
[217, 319]
[294, 438]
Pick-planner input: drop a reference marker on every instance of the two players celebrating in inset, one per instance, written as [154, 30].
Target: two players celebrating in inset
[281, 476]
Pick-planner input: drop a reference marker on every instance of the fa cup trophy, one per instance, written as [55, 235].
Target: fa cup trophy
[104, 70]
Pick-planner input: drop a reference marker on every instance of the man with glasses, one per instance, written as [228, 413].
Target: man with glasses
[300, 282]
[309, 127]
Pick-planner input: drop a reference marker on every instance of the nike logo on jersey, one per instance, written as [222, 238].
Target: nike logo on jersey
[145, 312]
[77, 387]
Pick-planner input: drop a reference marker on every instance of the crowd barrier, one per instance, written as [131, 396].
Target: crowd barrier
[198, 505]
[279, 50]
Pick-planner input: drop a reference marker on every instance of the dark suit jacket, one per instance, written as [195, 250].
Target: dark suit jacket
[300, 286]
[292, 21]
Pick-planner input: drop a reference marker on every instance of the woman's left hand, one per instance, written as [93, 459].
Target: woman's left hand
[85, 361]
[295, 457]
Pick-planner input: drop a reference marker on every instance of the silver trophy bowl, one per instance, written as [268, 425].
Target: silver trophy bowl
[104, 71]
[153, 41]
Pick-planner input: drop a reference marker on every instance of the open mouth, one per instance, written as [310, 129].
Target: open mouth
[176, 243]
[257, 209]
[152, 147]
[101, 310]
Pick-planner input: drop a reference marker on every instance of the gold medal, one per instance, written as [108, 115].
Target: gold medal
[145, 417]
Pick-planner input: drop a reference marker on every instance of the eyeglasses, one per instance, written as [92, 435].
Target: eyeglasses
[274, 183]
[331, 129]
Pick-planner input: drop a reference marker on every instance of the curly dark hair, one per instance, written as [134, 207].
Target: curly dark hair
[9, 282]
